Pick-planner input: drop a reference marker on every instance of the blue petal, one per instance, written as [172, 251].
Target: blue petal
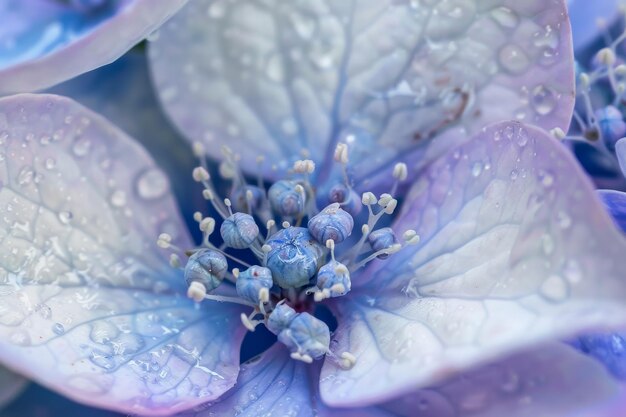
[615, 203]
[271, 384]
[88, 304]
[122, 93]
[271, 78]
[45, 42]
[515, 249]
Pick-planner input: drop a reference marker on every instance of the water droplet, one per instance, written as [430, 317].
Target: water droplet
[65, 217]
[542, 100]
[554, 288]
[81, 146]
[152, 184]
[546, 178]
[118, 198]
[43, 310]
[58, 328]
[563, 219]
[513, 59]
[50, 163]
[477, 169]
[25, 176]
[514, 174]
[505, 17]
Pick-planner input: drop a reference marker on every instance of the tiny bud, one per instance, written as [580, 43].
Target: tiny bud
[200, 174]
[400, 171]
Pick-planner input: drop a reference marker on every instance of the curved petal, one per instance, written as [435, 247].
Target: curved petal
[515, 248]
[122, 93]
[88, 304]
[588, 17]
[615, 203]
[620, 151]
[45, 42]
[274, 77]
[552, 381]
[11, 385]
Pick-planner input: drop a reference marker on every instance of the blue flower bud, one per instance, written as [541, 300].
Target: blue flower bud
[382, 239]
[306, 335]
[280, 318]
[286, 200]
[350, 201]
[612, 125]
[207, 267]
[239, 198]
[251, 281]
[239, 231]
[334, 279]
[331, 223]
[294, 257]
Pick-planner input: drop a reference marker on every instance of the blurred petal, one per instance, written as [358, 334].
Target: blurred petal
[615, 203]
[11, 385]
[271, 78]
[44, 42]
[552, 381]
[515, 248]
[588, 18]
[88, 304]
[122, 93]
[620, 151]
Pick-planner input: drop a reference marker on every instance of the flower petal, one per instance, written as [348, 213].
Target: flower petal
[615, 203]
[46, 42]
[553, 381]
[515, 248]
[11, 385]
[88, 304]
[122, 93]
[271, 78]
[620, 151]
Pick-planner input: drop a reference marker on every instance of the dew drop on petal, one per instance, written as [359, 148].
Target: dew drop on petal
[505, 17]
[542, 100]
[58, 329]
[151, 184]
[118, 198]
[513, 59]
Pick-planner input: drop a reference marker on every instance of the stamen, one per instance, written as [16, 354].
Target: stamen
[196, 291]
[225, 299]
[301, 357]
[174, 260]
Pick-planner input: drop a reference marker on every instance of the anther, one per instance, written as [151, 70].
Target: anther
[197, 216]
[200, 174]
[207, 225]
[411, 237]
[606, 56]
[196, 291]
[174, 260]
[286, 225]
[164, 241]
[341, 153]
[198, 150]
[558, 133]
[299, 357]
[207, 194]
[368, 198]
[226, 170]
[584, 80]
[247, 322]
[400, 171]
[348, 360]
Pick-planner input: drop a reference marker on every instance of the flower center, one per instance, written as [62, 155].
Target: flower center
[303, 255]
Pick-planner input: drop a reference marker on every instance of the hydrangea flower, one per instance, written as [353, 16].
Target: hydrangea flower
[70, 36]
[495, 259]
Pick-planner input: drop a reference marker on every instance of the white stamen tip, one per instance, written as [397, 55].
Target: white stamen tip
[348, 360]
[236, 272]
[584, 80]
[207, 225]
[606, 56]
[266, 248]
[270, 224]
[368, 198]
[338, 288]
[174, 261]
[341, 153]
[200, 174]
[299, 189]
[198, 149]
[197, 216]
[384, 199]
[620, 70]
[264, 295]
[246, 322]
[400, 171]
[164, 241]
[304, 358]
[411, 237]
[318, 296]
[365, 229]
[196, 291]
[226, 170]
[558, 133]
[330, 244]
[391, 206]
[286, 225]
[227, 202]
[207, 194]
[341, 269]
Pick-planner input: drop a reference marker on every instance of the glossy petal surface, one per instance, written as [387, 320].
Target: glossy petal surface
[45, 42]
[122, 93]
[89, 305]
[615, 203]
[515, 248]
[11, 385]
[273, 77]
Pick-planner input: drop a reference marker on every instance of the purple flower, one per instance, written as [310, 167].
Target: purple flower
[508, 250]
